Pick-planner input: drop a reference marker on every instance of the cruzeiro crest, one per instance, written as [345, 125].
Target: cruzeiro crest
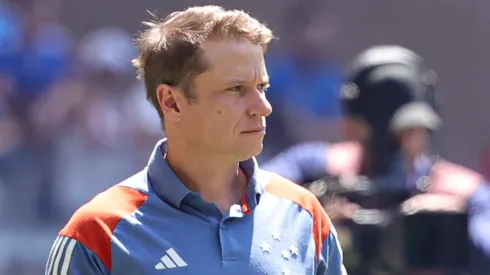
[288, 254]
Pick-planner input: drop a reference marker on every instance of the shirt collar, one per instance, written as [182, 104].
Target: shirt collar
[169, 188]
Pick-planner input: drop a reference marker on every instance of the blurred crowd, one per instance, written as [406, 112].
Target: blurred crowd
[74, 119]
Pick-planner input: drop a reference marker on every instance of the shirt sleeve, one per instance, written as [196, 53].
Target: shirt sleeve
[331, 260]
[479, 224]
[70, 257]
[301, 163]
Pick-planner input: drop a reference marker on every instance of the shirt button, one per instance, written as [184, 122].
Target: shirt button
[194, 197]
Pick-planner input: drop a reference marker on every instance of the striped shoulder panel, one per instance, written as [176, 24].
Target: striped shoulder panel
[283, 188]
[60, 255]
[94, 223]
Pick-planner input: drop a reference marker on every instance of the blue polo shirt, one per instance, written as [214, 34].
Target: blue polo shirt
[152, 224]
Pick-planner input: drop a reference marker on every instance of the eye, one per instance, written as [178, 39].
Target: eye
[239, 88]
[263, 87]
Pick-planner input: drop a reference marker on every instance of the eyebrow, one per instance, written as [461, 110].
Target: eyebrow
[233, 81]
[266, 80]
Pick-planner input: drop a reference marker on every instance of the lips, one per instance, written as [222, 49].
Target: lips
[255, 130]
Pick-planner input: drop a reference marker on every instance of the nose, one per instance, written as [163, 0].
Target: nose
[260, 105]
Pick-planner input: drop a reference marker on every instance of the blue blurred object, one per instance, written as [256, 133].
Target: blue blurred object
[314, 91]
[11, 41]
[37, 65]
[45, 61]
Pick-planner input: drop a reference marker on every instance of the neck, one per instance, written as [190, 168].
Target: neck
[410, 163]
[379, 155]
[217, 179]
[413, 162]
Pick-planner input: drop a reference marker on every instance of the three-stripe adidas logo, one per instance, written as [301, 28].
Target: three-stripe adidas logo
[170, 260]
[60, 256]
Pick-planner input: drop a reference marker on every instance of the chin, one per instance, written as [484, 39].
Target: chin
[251, 151]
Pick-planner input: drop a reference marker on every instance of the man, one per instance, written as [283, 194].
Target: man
[389, 112]
[202, 206]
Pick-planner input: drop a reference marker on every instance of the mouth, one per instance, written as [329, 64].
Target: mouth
[258, 130]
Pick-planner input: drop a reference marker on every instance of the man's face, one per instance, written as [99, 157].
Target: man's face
[414, 141]
[228, 116]
[354, 129]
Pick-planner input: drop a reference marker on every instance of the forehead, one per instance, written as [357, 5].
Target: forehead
[234, 59]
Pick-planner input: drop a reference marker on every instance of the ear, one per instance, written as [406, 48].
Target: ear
[168, 98]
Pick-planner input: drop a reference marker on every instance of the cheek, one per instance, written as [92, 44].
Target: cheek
[419, 136]
[415, 141]
[227, 108]
[221, 116]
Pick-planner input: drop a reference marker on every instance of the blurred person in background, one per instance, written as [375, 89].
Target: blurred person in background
[35, 66]
[9, 128]
[202, 205]
[384, 169]
[305, 77]
[35, 56]
[111, 128]
[10, 38]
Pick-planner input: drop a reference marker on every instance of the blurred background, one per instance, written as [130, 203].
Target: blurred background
[74, 120]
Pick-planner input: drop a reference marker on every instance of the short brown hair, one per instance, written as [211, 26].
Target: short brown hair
[170, 49]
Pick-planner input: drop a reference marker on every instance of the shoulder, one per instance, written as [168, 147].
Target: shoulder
[286, 189]
[299, 154]
[451, 178]
[343, 157]
[448, 170]
[94, 223]
[283, 188]
[313, 146]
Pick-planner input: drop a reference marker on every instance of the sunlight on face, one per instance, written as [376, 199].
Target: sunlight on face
[229, 114]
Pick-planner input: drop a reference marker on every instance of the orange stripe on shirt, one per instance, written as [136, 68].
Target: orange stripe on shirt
[283, 188]
[93, 223]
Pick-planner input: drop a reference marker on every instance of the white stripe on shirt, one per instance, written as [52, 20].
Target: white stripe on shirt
[56, 265]
[52, 253]
[67, 259]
